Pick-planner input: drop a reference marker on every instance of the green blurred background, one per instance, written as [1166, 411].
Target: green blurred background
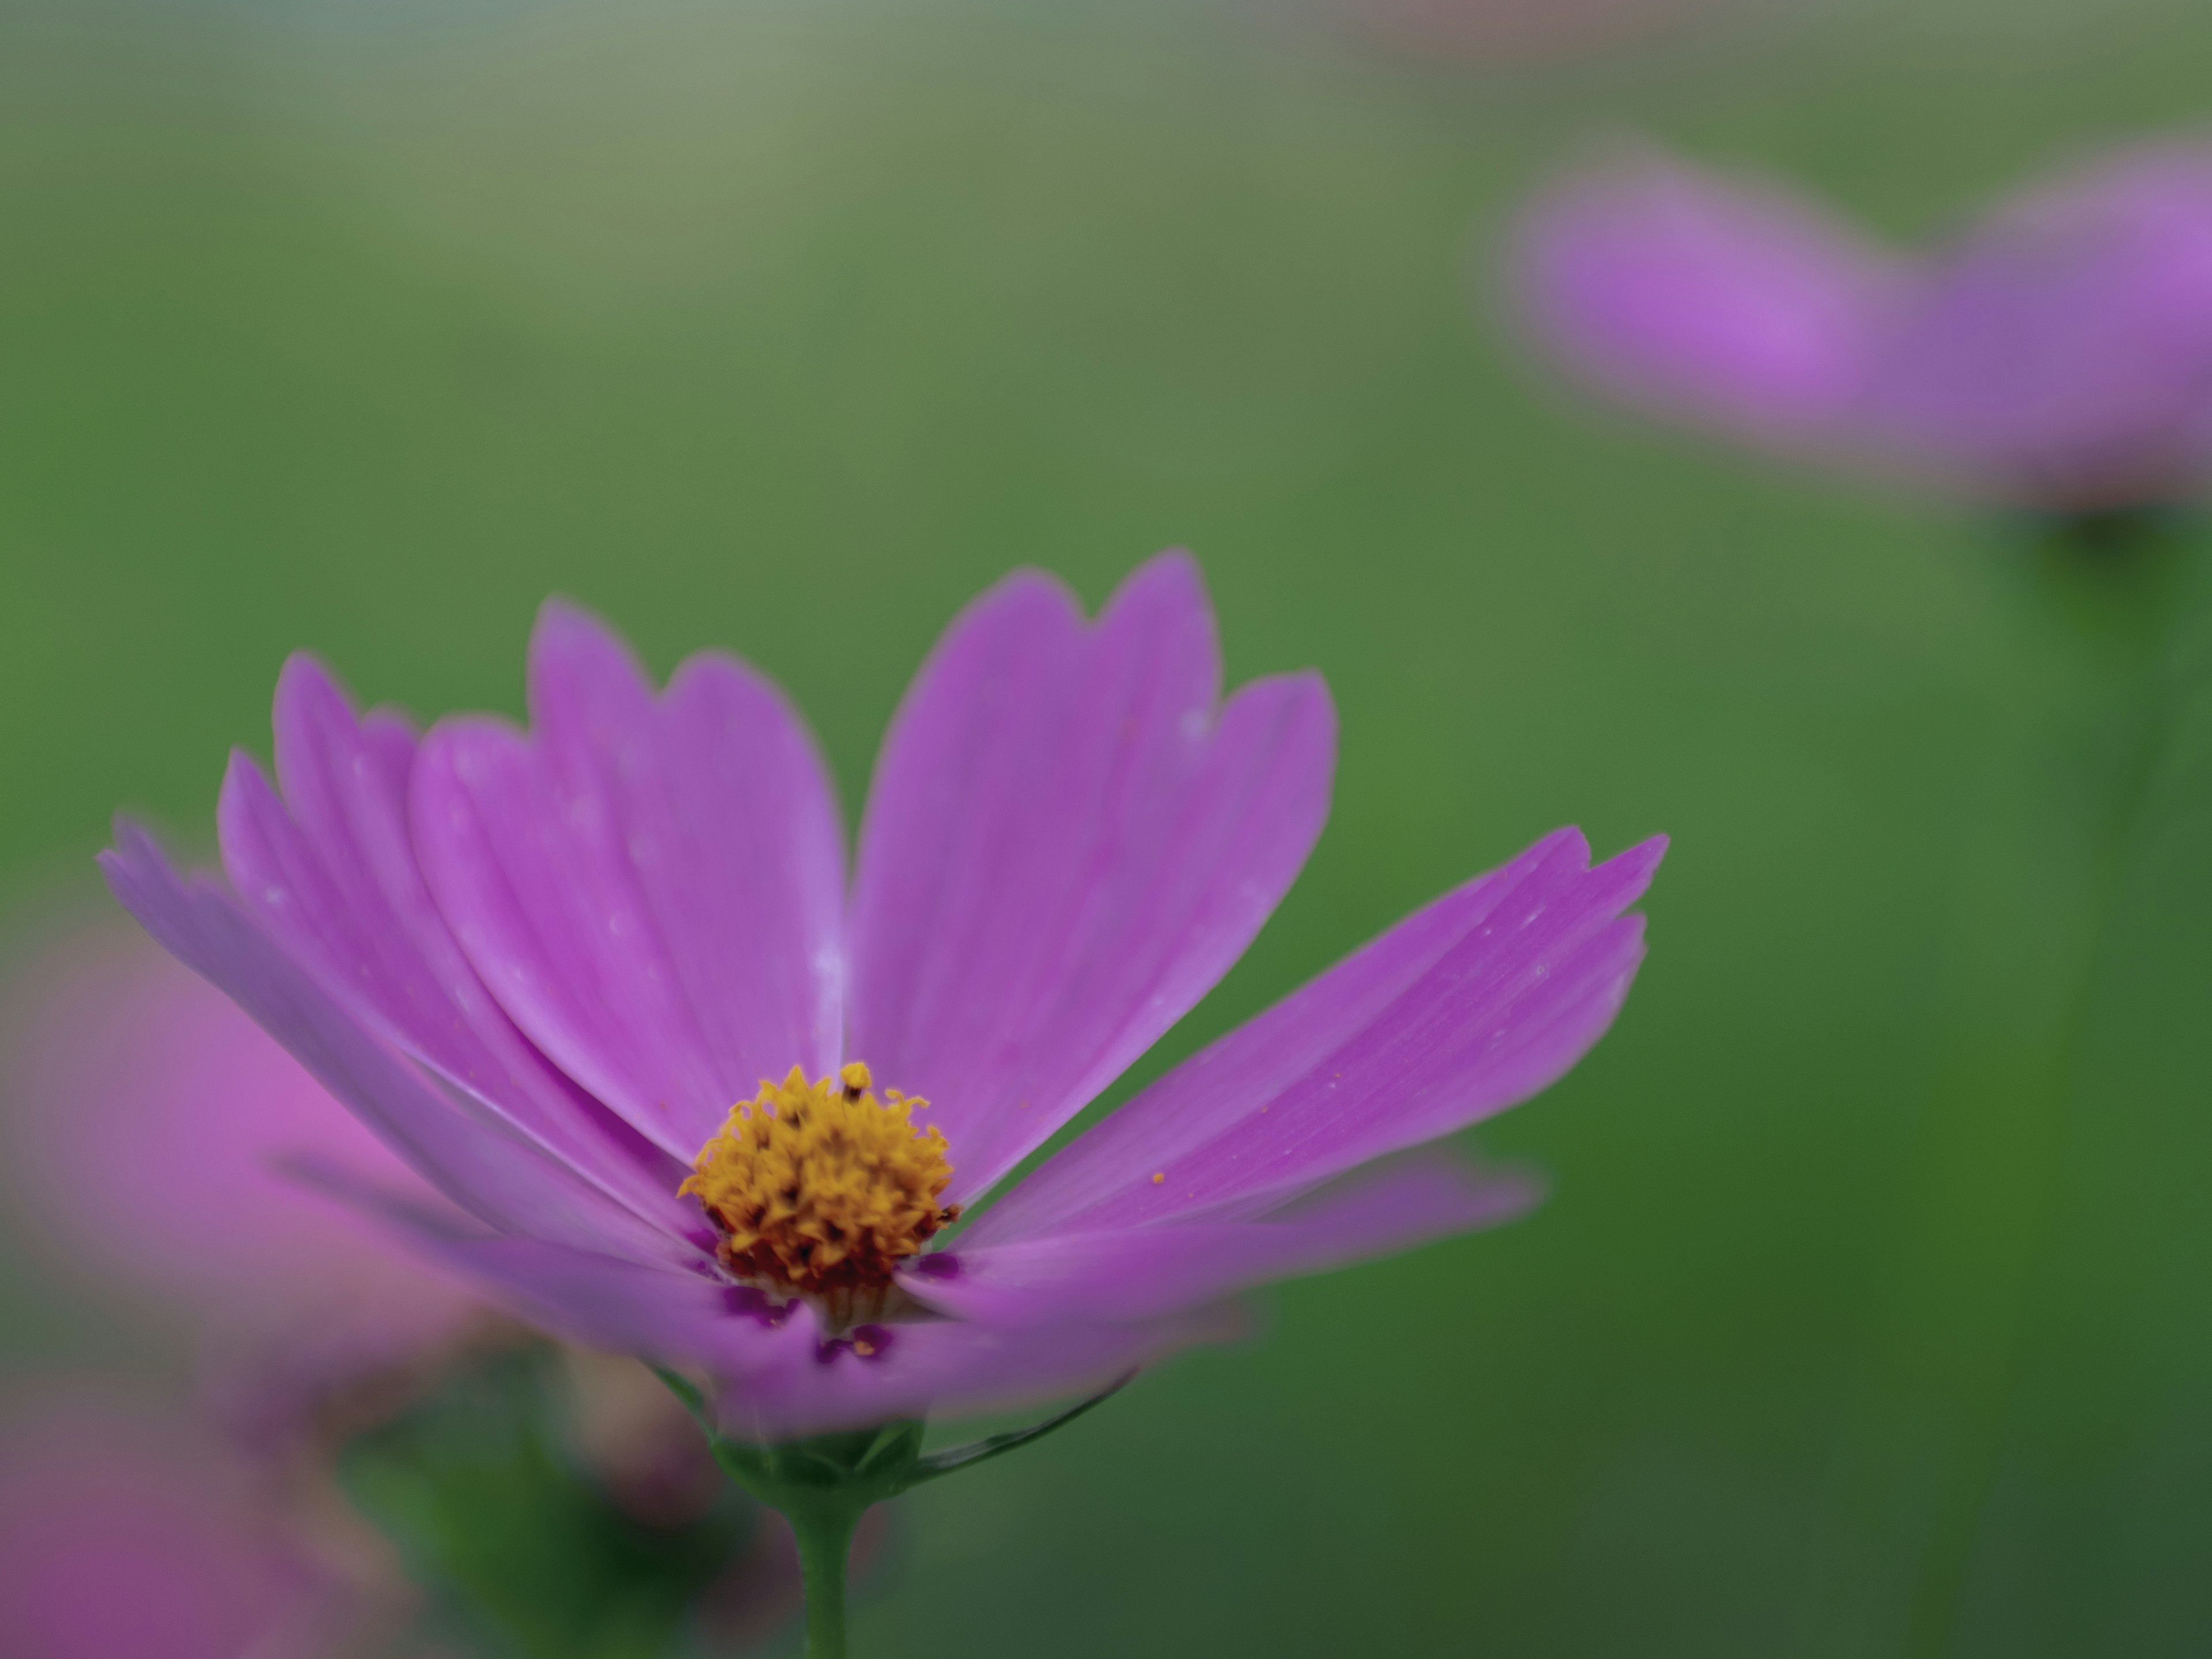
[788, 327]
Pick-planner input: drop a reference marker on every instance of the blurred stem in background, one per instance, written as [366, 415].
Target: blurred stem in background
[526, 1553]
[2110, 598]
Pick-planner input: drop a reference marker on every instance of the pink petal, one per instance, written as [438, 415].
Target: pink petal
[1143, 1273]
[123, 1535]
[776, 1374]
[652, 887]
[945, 1368]
[1068, 842]
[2062, 354]
[144, 1092]
[330, 871]
[1479, 1001]
[665, 1313]
[475, 1159]
[1715, 299]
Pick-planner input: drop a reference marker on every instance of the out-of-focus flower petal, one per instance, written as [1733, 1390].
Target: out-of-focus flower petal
[141, 1092]
[329, 870]
[121, 1538]
[1728, 303]
[2058, 357]
[640, 1443]
[2062, 354]
[1068, 842]
[1478, 1001]
[652, 887]
[1143, 1273]
[480, 1162]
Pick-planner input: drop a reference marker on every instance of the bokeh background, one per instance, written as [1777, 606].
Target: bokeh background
[361, 324]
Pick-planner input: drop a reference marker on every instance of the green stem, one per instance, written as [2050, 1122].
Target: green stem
[825, 1483]
[2042, 1106]
[825, 1541]
[2042, 1133]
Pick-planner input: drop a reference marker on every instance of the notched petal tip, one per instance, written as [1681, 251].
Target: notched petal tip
[1171, 577]
[1297, 713]
[1639, 863]
[1568, 839]
[567, 640]
[246, 789]
[315, 707]
[1165, 599]
[309, 684]
[1024, 598]
[1304, 692]
[247, 802]
[560, 616]
[1629, 872]
[138, 857]
[242, 769]
[122, 864]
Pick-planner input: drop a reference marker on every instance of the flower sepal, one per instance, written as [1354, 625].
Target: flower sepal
[828, 1471]
[825, 1483]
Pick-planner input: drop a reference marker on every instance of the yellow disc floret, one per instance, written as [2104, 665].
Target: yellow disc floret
[820, 1189]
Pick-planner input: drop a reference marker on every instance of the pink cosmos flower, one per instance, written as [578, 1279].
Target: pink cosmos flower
[543, 966]
[2058, 357]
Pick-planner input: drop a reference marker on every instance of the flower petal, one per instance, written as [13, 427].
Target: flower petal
[329, 870]
[1693, 294]
[1474, 1003]
[478, 1160]
[2062, 354]
[652, 887]
[660, 1313]
[1068, 842]
[142, 1091]
[1143, 1273]
[776, 1375]
[946, 1368]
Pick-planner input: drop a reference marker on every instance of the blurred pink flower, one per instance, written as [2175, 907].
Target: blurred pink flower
[146, 1118]
[2064, 351]
[123, 1536]
[1731, 304]
[2058, 357]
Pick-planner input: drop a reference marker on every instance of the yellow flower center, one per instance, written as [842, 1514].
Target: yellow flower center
[819, 1190]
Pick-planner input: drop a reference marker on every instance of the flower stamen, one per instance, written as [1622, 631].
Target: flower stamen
[820, 1190]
